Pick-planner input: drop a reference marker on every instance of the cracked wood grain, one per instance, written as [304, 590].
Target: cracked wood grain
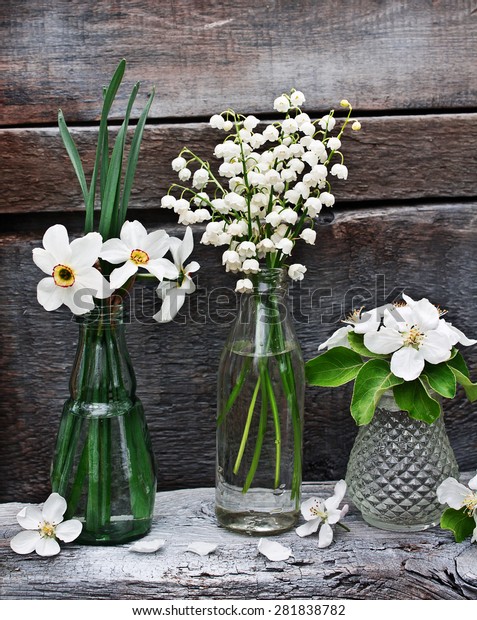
[365, 563]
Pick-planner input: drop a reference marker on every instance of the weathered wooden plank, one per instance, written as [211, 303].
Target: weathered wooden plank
[205, 55]
[365, 563]
[364, 256]
[399, 157]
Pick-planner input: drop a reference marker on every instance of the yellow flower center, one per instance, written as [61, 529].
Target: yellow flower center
[47, 530]
[63, 276]
[413, 338]
[470, 503]
[315, 510]
[139, 257]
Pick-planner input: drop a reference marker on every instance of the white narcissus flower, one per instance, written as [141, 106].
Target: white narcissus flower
[326, 513]
[173, 293]
[340, 171]
[137, 248]
[457, 495]
[43, 528]
[412, 335]
[72, 280]
[297, 271]
[308, 235]
[244, 286]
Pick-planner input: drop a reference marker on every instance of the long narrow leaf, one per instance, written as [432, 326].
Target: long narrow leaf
[103, 127]
[116, 224]
[73, 154]
[104, 156]
[132, 160]
[112, 180]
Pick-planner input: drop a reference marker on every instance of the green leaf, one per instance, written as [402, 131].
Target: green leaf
[374, 378]
[441, 379]
[459, 522]
[356, 342]
[333, 368]
[461, 372]
[112, 180]
[109, 97]
[132, 160]
[73, 154]
[412, 396]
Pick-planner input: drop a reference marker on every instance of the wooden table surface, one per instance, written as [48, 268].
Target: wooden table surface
[366, 563]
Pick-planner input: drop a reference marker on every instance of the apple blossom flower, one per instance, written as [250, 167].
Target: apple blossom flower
[457, 495]
[244, 286]
[73, 280]
[138, 249]
[44, 527]
[297, 271]
[325, 513]
[413, 338]
[173, 292]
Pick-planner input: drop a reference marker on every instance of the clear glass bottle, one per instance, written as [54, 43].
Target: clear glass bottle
[260, 414]
[103, 463]
[395, 467]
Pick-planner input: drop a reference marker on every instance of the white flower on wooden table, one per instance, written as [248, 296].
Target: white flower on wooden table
[323, 513]
[43, 528]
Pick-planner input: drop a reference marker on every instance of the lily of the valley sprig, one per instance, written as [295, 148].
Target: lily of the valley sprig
[407, 347]
[271, 184]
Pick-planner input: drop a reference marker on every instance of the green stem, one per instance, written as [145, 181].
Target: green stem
[235, 391]
[276, 423]
[262, 428]
[246, 430]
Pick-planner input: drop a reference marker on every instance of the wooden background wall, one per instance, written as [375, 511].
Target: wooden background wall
[406, 218]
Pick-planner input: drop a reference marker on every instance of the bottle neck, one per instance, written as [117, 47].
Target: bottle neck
[269, 282]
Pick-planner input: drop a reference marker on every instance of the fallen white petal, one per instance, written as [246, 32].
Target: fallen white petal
[202, 548]
[148, 546]
[274, 551]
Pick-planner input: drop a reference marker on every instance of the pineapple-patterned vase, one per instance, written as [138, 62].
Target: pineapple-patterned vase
[395, 467]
